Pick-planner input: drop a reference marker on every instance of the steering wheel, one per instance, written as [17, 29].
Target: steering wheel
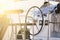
[35, 16]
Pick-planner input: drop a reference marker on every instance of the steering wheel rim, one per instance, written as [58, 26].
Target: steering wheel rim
[42, 19]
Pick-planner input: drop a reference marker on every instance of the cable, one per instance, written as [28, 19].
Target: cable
[42, 19]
